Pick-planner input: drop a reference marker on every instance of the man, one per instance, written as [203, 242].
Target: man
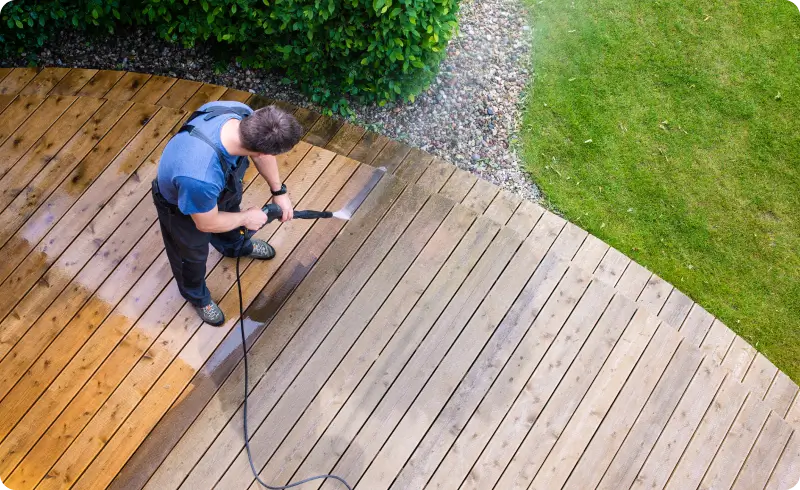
[199, 189]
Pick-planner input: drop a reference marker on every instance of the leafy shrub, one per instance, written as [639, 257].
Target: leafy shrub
[373, 50]
[26, 25]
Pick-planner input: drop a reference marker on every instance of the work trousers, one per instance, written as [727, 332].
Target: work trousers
[187, 247]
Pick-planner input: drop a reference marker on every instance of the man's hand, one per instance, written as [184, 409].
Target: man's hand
[254, 219]
[286, 206]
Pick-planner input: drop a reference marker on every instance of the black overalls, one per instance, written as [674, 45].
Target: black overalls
[187, 247]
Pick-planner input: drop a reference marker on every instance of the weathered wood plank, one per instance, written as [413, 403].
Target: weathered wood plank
[655, 295]
[683, 423]
[612, 267]
[413, 165]
[676, 309]
[787, 471]
[323, 131]
[717, 342]
[525, 218]
[436, 175]
[237, 95]
[781, 394]
[368, 148]
[759, 376]
[739, 357]
[696, 326]
[633, 281]
[569, 241]
[101, 83]
[345, 139]
[305, 117]
[480, 196]
[764, 454]
[708, 436]
[590, 254]
[503, 206]
[458, 185]
[391, 156]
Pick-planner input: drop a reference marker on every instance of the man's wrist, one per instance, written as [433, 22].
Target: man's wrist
[279, 191]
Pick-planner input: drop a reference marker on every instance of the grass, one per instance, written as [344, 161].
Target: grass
[671, 130]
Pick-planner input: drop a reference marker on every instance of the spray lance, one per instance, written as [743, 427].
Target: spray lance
[273, 212]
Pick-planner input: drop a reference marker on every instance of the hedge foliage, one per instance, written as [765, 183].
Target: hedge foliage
[370, 50]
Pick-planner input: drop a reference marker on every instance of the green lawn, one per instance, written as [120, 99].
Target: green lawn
[671, 130]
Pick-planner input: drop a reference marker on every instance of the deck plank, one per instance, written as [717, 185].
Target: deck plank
[72, 154]
[760, 376]
[569, 240]
[100, 84]
[739, 357]
[43, 152]
[391, 156]
[127, 86]
[787, 471]
[717, 342]
[678, 431]
[590, 254]
[346, 139]
[44, 81]
[305, 117]
[525, 218]
[676, 309]
[343, 335]
[323, 131]
[436, 175]
[612, 267]
[237, 95]
[15, 81]
[781, 394]
[467, 372]
[458, 185]
[74, 81]
[696, 326]
[764, 454]
[368, 148]
[503, 206]
[709, 436]
[179, 93]
[413, 166]
[633, 281]
[480, 196]
[153, 89]
[655, 295]
[21, 140]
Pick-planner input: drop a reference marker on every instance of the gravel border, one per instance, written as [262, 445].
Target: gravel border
[470, 116]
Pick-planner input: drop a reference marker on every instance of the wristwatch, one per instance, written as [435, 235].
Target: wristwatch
[280, 192]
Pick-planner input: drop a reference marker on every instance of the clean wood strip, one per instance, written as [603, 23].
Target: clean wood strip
[436, 175]
[781, 394]
[413, 166]
[503, 206]
[569, 240]
[381, 328]
[736, 446]
[318, 323]
[90, 203]
[255, 101]
[676, 309]
[73, 82]
[709, 435]
[739, 357]
[237, 95]
[631, 455]
[127, 86]
[101, 83]
[45, 81]
[684, 421]
[525, 217]
[346, 139]
[4, 72]
[759, 376]
[179, 93]
[15, 81]
[696, 326]
[717, 342]
[368, 148]
[48, 180]
[32, 129]
[175, 423]
[43, 152]
[402, 332]
[153, 89]
[15, 114]
[422, 361]
[195, 353]
[580, 432]
[590, 254]
[458, 185]
[480, 196]
[114, 329]
[431, 367]
[206, 93]
[764, 454]
[542, 345]
[349, 327]
[467, 372]
[323, 131]
[633, 281]
[551, 417]
[787, 471]
[152, 345]
[612, 267]
[655, 295]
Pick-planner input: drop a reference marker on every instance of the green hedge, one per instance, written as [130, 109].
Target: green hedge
[371, 50]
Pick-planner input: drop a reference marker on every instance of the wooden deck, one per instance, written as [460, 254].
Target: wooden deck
[449, 336]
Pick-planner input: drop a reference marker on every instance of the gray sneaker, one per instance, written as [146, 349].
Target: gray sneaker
[211, 314]
[261, 250]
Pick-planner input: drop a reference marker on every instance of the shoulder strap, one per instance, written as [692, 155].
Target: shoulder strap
[210, 113]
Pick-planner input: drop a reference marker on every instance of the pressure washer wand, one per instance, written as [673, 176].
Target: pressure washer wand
[273, 212]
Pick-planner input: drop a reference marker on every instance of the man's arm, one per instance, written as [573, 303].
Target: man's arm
[267, 166]
[216, 221]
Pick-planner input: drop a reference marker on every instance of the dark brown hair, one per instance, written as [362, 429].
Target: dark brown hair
[270, 130]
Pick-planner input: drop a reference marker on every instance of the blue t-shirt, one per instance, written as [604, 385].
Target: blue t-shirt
[189, 172]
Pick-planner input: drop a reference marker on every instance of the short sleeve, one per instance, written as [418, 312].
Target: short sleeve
[195, 196]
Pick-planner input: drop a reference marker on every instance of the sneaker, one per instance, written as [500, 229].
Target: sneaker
[261, 250]
[211, 314]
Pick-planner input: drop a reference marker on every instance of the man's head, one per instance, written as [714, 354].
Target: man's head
[270, 130]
